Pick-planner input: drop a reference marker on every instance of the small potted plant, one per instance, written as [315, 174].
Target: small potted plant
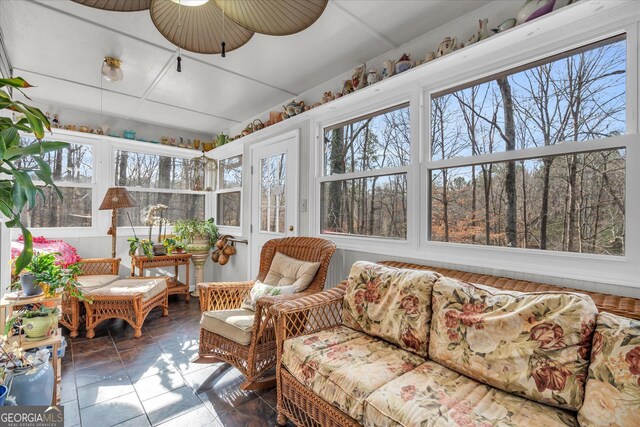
[135, 244]
[155, 216]
[37, 323]
[199, 235]
[36, 273]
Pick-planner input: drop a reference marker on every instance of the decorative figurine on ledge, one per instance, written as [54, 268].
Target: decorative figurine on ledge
[373, 76]
[347, 87]
[388, 68]
[359, 77]
[403, 64]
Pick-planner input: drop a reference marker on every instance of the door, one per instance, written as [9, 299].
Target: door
[274, 193]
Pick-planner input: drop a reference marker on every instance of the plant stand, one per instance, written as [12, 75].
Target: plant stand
[199, 260]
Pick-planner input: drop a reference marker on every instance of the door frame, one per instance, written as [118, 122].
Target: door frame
[293, 153]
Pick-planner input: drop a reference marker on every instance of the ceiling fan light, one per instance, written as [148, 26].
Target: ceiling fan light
[111, 70]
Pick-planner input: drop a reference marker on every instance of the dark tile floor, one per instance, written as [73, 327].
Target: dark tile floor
[115, 379]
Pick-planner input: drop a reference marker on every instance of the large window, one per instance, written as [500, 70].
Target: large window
[153, 179]
[513, 161]
[229, 191]
[364, 187]
[72, 171]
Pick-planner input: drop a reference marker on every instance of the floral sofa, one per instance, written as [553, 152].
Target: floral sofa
[413, 347]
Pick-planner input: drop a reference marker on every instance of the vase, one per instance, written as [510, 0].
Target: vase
[29, 288]
[3, 394]
[33, 386]
[39, 328]
[199, 245]
[159, 249]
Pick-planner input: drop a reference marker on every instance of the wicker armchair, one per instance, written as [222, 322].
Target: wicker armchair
[259, 356]
[72, 309]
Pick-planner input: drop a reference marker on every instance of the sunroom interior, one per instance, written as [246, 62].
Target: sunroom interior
[401, 212]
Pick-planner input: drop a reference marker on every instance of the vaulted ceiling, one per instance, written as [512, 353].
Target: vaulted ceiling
[59, 46]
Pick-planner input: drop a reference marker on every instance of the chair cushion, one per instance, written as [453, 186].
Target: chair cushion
[92, 281]
[532, 344]
[232, 324]
[432, 395]
[390, 303]
[148, 287]
[344, 366]
[260, 289]
[287, 271]
[612, 396]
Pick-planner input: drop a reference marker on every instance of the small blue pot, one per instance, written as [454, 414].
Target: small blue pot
[29, 288]
[3, 394]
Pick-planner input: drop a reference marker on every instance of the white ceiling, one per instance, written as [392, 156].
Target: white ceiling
[58, 46]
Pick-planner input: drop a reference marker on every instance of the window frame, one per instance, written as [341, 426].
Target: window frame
[380, 103]
[223, 153]
[92, 142]
[154, 150]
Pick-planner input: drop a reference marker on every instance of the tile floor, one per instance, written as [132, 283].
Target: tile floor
[115, 379]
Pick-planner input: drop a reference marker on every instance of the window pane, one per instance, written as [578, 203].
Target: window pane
[181, 206]
[71, 164]
[229, 209]
[370, 143]
[230, 172]
[375, 206]
[578, 98]
[153, 171]
[572, 203]
[73, 211]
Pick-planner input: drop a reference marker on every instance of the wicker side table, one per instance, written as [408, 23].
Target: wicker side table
[176, 287]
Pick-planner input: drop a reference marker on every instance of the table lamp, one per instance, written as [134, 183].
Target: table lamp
[116, 198]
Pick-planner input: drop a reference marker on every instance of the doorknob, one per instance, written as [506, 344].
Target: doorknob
[291, 228]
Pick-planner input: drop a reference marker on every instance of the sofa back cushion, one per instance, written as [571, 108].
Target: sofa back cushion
[612, 396]
[534, 345]
[390, 303]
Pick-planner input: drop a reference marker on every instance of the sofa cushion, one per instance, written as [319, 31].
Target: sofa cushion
[532, 344]
[390, 303]
[612, 396]
[235, 324]
[432, 395]
[95, 280]
[148, 287]
[343, 366]
[287, 271]
[260, 289]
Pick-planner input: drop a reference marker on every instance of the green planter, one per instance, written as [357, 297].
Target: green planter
[39, 328]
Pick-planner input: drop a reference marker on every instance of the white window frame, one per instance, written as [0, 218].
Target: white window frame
[157, 150]
[222, 153]
[71, 138]
[353, 112]
[521, 46]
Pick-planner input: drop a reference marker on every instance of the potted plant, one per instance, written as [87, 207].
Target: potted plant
[135, 244]
[37, 323]
[198, 234]
[170, 245]
[155, 216]
[40, 270]
[17, 190]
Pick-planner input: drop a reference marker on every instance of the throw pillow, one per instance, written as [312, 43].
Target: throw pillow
[287, 271]
[390, 303]
[534, 344]
[260, 289]
[612, 396]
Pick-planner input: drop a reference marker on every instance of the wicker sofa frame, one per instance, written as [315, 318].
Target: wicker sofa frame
[255, 359]
[73, 310]
[324, 310]
[133, 309]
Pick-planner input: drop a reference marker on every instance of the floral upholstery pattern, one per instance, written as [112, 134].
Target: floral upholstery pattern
[432, 395]
[534, 345]
[390, 303]
[612, 396]
[344, 366]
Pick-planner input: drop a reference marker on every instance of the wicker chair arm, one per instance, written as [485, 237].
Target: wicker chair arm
[223, 295]
[307, 314]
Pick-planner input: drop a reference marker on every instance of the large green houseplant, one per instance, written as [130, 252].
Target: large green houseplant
[196, 233]
[17, 190]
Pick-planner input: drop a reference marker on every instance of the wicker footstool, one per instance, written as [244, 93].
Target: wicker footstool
[128, 299]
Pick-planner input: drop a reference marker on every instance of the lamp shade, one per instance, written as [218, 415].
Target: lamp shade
[273, 17]
[117, 5]
[197, 28]
[116, 198]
